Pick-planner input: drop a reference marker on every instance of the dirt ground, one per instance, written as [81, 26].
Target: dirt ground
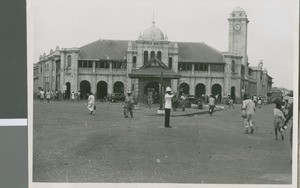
[69, 145]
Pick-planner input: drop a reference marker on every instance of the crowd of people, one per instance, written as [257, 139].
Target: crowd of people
[56, 95]
[282, 113]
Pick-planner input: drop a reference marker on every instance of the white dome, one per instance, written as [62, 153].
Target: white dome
[239, 9]
[153, 33]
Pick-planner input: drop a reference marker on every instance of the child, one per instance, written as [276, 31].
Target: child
[278, 120]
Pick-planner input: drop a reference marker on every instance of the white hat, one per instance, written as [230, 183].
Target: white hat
[168, 89]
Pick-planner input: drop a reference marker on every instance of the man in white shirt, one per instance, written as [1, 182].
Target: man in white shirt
[249, 107]
[168, 106]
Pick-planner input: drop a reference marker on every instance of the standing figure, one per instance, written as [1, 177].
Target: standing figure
[255, 100]
[183, 101]
[211, 104]
[230, 103]
[72, 96]
[42, 95]
[217, 98]
[175, 102]
[128, 105]
[78, 95]
[168, 106]
[48, 96]
[149, 99]
[288, 117]
[91, 103]
[259, 102]
[249, 107]
[278, 120]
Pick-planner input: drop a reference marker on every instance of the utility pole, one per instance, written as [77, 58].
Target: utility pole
[161, 92]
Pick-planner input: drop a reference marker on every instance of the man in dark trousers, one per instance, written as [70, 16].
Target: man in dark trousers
[168, 106]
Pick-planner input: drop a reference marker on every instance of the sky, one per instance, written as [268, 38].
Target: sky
[272, 28]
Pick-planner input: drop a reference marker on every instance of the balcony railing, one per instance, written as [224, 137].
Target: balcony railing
[85, 70]
[119, 71]
[102, 70]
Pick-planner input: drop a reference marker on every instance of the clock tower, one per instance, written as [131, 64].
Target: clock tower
[238, 23]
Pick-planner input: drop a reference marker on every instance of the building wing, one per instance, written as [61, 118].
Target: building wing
[198, 52]
[104, 49]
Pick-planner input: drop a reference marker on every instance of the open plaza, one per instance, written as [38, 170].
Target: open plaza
[70, 145]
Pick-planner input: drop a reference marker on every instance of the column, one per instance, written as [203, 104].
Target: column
[94, 67]
[208, 86]
[53, 75]
[174, 85]
[227, 77]
[192, 86]
[62, 72]
[74, 72]
[193, 69]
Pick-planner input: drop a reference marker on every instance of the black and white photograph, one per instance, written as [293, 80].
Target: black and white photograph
[161, 93]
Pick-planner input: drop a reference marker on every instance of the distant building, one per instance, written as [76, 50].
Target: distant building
[276, 93]
[119, 66]
[263, 80]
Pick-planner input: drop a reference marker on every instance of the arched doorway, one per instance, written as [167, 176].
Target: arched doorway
[184, 88]
[217, 90]
[154, 88]
[101, 89]
[200, 89]
[232, 93]
[85, 88]
[119, 87]
[68, 90]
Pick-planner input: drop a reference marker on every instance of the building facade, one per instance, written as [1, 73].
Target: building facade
[153, 62]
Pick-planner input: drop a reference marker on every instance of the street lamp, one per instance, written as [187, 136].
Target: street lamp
[160, 110]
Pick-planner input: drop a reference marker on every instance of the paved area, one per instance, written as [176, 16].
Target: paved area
[69, 145]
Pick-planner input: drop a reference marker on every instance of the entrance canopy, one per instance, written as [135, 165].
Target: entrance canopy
[153, 69]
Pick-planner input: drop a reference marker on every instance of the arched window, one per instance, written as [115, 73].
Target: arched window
[170, 62]
[159, 55]
[134, 62]
[232, 66]
[152, 54]
[145, 57]
[69, 61]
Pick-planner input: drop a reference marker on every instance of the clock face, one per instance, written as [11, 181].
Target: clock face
[237, 27]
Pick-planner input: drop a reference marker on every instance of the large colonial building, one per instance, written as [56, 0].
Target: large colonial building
[116, 66]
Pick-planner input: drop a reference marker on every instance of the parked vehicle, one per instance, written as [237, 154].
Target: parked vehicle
[117, 97]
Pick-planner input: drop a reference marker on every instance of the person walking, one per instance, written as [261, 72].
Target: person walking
[255, 100]
[288, 117]
[249, 108]
[278, 120]
[128, 106]
[259, 102]
[168, 106]
[48, 96]
[91, 103]
[230, 103]
[211, 105]
[42, 95]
